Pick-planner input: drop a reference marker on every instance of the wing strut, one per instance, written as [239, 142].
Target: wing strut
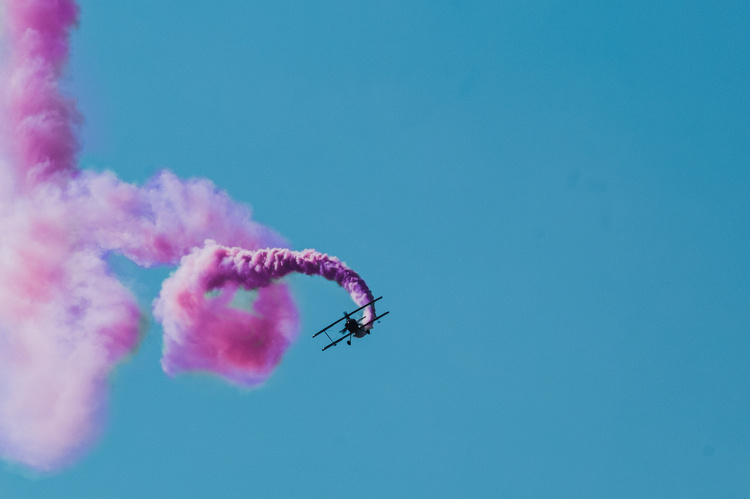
[337, 341]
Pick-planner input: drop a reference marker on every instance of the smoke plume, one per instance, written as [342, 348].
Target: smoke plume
[65, 319]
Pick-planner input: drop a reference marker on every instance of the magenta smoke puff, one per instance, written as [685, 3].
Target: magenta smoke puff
[65, 320]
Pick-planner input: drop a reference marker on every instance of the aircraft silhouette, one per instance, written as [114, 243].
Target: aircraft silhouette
[352, 327]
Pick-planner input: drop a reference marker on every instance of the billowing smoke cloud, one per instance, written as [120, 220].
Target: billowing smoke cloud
[65, 320]
[207, 333]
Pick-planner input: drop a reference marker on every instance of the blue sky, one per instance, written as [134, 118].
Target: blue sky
[552, 198]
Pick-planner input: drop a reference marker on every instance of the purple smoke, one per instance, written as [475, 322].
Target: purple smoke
[65, 320]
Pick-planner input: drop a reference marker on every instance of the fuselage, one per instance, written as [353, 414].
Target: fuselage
[354, 327]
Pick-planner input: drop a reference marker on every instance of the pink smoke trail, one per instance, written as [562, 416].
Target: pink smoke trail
[65, 320]
[206, 333]
[42, 120]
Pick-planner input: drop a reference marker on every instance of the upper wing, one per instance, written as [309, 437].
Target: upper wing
[365, 305]
[328, 327]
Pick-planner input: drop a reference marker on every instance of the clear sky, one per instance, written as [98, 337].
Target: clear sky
[552, 198]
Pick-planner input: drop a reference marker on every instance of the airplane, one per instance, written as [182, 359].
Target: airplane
[352, 327]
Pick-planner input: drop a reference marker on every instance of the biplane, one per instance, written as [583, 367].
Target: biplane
[352, 327]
